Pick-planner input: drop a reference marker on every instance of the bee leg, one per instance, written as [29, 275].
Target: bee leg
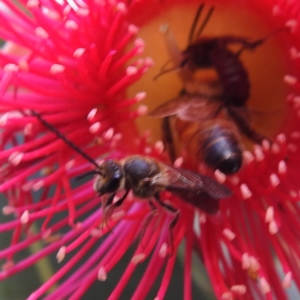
[245, 128]
[107, 210]
[109, 207]
[173, 211]
[168, 138]
[147, 221]
[121, 200]
[249, 46]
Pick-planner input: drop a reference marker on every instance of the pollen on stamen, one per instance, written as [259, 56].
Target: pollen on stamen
[295, 135]
[239, 289]
[32, 3]
[47, 171]
[163, 250]
[142, 110]
[139, 42]
[246, 263]
[274, 180]
[159, 146]
[28, 129]
[149, 62]
[254, 264]
[42, 33]
[296, 101]
[61, 254]
[235, 180]
[276, 10]
[178, 162]
[121, 7]
[133, 29]
[15, 158]
[227, 296]
[248, 157]
[67, 10]
[269, 214]
[92, 114]
[11, 68]
[25, 217]
[47, 234]
[38, 185]
[275, 148]
[70, 24]
[8, 265]
[287, 280]
[108, 134]
[292, 24]
[282, 168]
[131, 70]
[69, 164]
[95, 232]
[273, 227]
[246, 193]
[78, 52]
[3, 119]
[147, 150]
[202, 218]
[294, 53]
[102, 275]
[136, 259]
[264, 285]
[221, 177]
[82, 12]
[8, 210]
[259, 155]
[56, 69]
[289, 79]
[26, 187]
[95, 127]
[230, 235]
[281, 138]
[266, 145]
[140, 96]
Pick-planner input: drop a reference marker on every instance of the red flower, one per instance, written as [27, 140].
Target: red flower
[73, 64]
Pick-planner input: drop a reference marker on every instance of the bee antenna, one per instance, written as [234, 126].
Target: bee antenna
[204, 22]
[193, 28]
[61, 136]
[275, 32]
[163, 72]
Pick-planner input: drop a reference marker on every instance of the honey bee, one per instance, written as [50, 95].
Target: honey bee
[147, 178]
[211, 113]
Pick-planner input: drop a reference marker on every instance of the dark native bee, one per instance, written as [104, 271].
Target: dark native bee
[147, 178]
[211, 114]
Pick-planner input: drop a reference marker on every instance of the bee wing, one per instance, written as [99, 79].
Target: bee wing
[198, 190]
[189, 108]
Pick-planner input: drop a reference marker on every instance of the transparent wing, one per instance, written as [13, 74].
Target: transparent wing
[198, 190]
[189, 108]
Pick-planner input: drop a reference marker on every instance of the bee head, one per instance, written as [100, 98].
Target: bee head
[109, 176]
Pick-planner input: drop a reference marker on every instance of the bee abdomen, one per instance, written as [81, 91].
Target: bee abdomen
[232, 75]
[220, 149]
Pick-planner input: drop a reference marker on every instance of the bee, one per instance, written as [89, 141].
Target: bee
[147, 178]
[215, 52]
[205, 131]
[211, 113]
